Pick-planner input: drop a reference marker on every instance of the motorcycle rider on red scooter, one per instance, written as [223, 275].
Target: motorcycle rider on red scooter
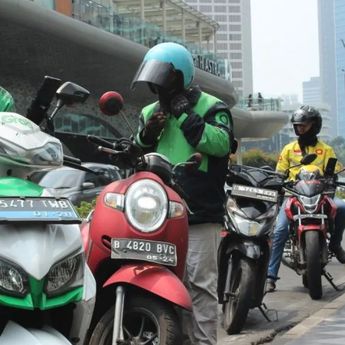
[307, 124]
[183, 121]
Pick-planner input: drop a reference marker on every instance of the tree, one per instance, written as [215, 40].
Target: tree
[258, 158]
[338, 144]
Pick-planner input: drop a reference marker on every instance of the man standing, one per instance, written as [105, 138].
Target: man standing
[183, 121]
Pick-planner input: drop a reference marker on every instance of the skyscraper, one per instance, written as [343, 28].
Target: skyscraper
[233, 38]
[332, 60]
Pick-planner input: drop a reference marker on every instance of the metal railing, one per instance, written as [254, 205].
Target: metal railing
[133, 28]
[272, 104]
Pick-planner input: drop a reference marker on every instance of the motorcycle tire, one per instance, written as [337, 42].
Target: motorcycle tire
[313, 259]
[236, 308]
[144, 318]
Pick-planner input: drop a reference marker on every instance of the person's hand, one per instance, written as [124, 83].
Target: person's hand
[153, 127]
[179, 105]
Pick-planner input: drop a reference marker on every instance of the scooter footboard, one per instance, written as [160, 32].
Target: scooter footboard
[155, 279]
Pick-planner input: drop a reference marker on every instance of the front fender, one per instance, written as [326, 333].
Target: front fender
[246, 248]
[14, 334]
[155, 279]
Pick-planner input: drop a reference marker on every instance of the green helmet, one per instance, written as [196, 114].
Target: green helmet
[6, 100]
[163, 63]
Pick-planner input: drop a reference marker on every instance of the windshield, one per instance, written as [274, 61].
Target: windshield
[61, 178]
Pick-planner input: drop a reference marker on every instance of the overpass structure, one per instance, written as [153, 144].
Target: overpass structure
[36, 41]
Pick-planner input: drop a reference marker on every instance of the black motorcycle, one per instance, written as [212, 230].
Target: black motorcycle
[252, 203]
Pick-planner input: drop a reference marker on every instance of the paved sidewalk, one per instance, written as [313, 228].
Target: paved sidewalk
[325, 327]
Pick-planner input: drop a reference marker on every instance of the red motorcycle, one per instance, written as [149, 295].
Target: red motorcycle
[136, 242]
[311, 212]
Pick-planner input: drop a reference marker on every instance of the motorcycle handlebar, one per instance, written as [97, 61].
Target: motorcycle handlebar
[99, 141]
[69, 159]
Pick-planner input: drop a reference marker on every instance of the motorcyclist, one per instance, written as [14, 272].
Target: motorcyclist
[183, 121]
[6, 100]
[307, 122]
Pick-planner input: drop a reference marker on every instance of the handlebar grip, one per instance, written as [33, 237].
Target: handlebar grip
[70, 159]
[99, 141]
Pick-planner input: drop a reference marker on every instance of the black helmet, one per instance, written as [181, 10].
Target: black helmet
[305, 114]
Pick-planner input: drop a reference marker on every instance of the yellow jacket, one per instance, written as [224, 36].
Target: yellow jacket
[292, 154]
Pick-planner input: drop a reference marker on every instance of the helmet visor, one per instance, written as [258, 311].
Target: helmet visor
[156, 72]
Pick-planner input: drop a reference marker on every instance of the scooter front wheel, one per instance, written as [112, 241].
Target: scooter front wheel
[242, 283]
[146, 321]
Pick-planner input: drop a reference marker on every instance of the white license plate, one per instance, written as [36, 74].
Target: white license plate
[136, 249]
[39, 209]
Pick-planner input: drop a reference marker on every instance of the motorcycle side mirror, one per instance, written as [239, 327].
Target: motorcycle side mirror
[330, 167]
[67, 94]
[309, 158]
[111, 103]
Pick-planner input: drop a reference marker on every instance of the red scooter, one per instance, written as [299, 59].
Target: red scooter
[136, 242]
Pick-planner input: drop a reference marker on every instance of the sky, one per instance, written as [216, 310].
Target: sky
[284, 45]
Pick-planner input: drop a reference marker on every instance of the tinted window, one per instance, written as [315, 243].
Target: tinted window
[61, 178]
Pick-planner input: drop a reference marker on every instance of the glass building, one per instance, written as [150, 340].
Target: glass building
[332, 60]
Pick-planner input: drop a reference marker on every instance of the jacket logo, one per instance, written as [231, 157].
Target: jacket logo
[319, 151]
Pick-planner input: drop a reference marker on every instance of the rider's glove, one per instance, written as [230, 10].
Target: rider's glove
[153, 128]
[179, 105]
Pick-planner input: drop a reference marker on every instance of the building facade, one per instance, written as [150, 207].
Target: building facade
[332, 60]
[312, 91]
[233, 38]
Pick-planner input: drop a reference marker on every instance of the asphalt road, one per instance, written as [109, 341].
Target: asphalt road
[288, 305]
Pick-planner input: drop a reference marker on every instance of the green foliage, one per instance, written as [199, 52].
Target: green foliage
[258, 158]
[85, 207]
[340, 193]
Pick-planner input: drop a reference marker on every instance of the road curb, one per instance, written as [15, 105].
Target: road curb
[307, 324]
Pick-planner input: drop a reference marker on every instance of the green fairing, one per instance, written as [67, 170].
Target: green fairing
[6, 100]
[12, 186]
[39, 300]
[173, 143]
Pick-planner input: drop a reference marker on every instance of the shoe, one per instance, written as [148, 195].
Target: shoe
[339, 253]
[270, 285]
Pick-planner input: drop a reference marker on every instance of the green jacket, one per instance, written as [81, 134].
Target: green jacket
[6, 100]
[207, 130]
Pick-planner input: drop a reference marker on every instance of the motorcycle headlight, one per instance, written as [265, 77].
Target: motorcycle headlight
[247, 227]
[13, 280]
[232, 207]
[146, 205]
[65, 275]
[310, 204]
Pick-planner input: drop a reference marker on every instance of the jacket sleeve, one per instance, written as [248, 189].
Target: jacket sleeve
[211, 135]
